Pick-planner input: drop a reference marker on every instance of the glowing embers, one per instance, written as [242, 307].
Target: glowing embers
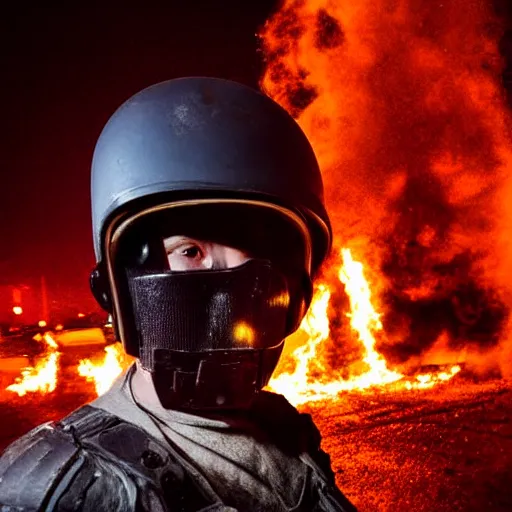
[103, 373]
[300, 387]
[43, 376]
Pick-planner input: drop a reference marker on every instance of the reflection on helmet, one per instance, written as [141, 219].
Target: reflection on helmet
[212, 160]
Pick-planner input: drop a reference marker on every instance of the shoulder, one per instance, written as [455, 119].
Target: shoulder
[294, 432]
[49, 468]
[30, 466]
[279, 418]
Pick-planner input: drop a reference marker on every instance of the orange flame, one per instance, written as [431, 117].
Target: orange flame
[43, 377]
[429, 380]
[295, 386]
[105, 373]
[405, 109]
[365, 321]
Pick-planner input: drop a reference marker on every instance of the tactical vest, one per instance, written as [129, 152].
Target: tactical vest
[95, 461]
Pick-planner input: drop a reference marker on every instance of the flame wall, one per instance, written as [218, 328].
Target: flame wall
[403, 103]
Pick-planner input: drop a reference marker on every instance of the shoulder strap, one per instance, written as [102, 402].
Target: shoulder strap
[87, 421]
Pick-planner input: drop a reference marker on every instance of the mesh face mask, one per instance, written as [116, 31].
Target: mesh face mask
[204, 334]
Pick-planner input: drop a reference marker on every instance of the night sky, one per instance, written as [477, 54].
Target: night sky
[64, 71]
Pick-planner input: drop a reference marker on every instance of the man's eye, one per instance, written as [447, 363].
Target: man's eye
[192, 252]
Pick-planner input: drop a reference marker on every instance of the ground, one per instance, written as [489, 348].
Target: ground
[445, 449]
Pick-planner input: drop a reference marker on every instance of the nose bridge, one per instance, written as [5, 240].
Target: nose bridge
[223, 257]
[218, 257]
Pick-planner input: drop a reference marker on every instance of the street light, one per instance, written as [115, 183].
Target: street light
[17, 310]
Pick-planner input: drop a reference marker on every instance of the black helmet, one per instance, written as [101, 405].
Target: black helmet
[210, 146]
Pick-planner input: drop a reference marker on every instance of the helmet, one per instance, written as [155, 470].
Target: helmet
[216, 158]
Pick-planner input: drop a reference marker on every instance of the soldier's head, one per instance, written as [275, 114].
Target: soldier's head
[209, 226]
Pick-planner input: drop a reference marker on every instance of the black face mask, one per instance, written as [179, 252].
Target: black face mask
[211, 338]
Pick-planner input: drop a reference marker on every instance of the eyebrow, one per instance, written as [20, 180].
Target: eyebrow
[168, 243]
[174, 240]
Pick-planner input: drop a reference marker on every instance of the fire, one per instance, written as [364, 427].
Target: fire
[429, 380]
[43, 377]
[404, 106]
[103, 374]
[296, 386]
[365, 321]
